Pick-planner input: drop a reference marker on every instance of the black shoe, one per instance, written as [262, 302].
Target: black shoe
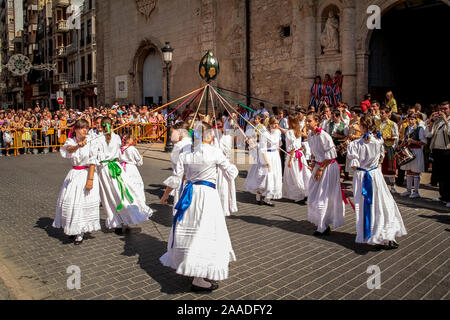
[72, 237]
[301, 202]
[318, 234]
[392, 245]
[259, 203]
[211, 281]
[213, 287]
[270, 204]
[327, 232]
[118, 231]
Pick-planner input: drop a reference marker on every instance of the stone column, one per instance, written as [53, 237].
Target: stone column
[362, 64]
[308, 10]
[348, 53]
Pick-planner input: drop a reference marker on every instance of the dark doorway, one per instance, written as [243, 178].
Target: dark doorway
[409, 54]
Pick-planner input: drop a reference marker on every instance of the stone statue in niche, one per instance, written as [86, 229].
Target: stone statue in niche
[329, 39]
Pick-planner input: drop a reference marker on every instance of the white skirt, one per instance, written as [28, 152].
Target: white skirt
[131, 213]
[296, 181]
[227, 193]
[260, 180]
[325, 204]
[418, 164]
[77, 210]
[307, 150]
[386, 220]
[202, 246]
[136, 187]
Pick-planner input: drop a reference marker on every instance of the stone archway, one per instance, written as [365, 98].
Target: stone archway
[146, 48]
[364, 37]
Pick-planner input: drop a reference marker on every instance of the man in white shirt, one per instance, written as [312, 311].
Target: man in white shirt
[326, 119]
[438, 129]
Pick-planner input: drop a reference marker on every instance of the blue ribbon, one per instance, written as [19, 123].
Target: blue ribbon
[378, 134]
[185, 202]
[367, 192]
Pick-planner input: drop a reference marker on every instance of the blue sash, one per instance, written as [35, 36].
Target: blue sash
[271, 150]
[185, 202]
[367, 192]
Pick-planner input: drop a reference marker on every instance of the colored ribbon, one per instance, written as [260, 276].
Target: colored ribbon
[80, 168]
[185, 202]
[108, 127]
[367, 192]
[378, 134]
[124, 166]
[115, 172]
[299, 155]
[318, 130]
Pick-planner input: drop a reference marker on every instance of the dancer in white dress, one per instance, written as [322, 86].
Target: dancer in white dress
[130, 159]
[77, 209]
[415, 139]
[296, 173]
[226, 187]
[325, 202]
[378, 220]
[199, 245]
[182, 143]
[115, 191]
[265, 178]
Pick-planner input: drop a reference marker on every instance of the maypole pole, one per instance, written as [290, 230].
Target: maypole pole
[208, 70]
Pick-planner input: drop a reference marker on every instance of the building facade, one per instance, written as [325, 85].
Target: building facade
[270, 49]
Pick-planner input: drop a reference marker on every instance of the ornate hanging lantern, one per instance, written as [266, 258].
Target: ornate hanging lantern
[209, 66]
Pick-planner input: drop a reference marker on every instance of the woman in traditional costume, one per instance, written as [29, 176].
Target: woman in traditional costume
[77, 209]
[378, 220]
[265, 178]
[117, 196]
[296, 173]
[325, 202]
[199, 245]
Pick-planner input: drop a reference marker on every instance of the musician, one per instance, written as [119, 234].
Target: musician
[389, 129]
[439, 132]
[414, 140]
[338, 130]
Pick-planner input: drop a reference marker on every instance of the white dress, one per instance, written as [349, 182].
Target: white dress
[77, 210]
[386, 220]
[418, 164]
[132, 212]
[225, 186]
[181, 146]
[259, 179]
[295, 181]
[325, 204]
[202, 246]
[129, 160]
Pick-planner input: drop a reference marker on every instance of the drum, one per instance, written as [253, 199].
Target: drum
[404, 156]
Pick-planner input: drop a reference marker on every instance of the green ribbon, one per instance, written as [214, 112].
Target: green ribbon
[239, 103]
[108, 127]
[115, 172]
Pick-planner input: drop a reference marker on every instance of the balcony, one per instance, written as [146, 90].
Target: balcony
[61, 52]
[71, 49]
[61, 78]
[61, 26]
[61, 3]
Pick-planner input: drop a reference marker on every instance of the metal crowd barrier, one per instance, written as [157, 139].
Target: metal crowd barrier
[39, 140]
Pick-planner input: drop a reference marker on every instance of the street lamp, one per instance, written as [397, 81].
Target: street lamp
[167, 51]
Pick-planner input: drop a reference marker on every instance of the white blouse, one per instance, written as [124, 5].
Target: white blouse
[111, 151]
[131, 156]
[180, 147]
[322, 146]
[365, 154]
[292, 142]
[83, 157]
[270, 140]
[201, 165]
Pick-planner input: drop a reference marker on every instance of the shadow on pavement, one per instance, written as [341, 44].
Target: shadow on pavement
[163, 214]
[157, 191]
[306, 228]
[439, 218]
[150, 249]
[45, 223]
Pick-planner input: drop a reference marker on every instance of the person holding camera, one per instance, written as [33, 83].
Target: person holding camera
[438, 130]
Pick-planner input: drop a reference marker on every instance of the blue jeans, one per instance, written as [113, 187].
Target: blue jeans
[47, 142]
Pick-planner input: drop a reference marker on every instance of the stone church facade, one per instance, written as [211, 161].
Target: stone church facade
[270, 49]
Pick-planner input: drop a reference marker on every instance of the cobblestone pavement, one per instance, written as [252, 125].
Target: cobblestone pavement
[278, 258]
